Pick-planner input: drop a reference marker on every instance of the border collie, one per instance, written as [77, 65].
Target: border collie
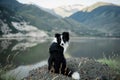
[57, 61]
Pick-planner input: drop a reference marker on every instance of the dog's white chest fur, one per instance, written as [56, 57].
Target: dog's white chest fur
[65, 46]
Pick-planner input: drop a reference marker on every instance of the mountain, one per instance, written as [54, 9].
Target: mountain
[14, 25]
[67, 10]
[6, 16]
[45, 21]
[103, 17]
[10, 4]
[19, 18]
[51, 11]
[96, 5]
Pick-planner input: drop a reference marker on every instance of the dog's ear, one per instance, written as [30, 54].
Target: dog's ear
[58, 38]
[57, 35]
[66, 35]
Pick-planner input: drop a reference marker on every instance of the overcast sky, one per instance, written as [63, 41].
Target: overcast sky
[57, 3]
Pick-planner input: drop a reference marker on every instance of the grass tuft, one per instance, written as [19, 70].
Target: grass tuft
[113, 62]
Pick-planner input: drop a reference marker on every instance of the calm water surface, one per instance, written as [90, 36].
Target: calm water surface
[27, 54]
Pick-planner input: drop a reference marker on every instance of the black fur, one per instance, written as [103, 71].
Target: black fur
[57, 61]
[65, 36]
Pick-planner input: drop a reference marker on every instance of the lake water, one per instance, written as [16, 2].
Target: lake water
[27, 54]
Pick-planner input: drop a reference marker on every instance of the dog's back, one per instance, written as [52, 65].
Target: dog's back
[57, 61]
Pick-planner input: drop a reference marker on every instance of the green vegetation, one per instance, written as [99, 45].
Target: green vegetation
[48, 22]
[113, 62]
[7, 16]
[4, 69]
[8, 78]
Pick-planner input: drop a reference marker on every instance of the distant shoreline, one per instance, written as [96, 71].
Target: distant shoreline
[49, 38]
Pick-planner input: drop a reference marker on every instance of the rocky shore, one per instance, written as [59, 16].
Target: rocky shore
[89, 69]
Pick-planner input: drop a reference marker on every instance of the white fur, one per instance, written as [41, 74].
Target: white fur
[76, 75]
[54, 40]
[65, 45]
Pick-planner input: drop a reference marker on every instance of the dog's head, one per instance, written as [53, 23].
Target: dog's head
[61, 39]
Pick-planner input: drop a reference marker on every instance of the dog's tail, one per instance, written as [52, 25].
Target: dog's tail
[62, 69]
[76, 75]
[71, 73]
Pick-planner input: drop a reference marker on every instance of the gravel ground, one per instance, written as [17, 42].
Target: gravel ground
[89, 69]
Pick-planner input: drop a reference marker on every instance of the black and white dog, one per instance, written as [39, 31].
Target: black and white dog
[57, 61]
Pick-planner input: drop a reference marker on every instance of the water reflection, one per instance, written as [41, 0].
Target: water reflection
[23, 71]
[32, 50]
[22, 51]
[94, 47]
[30, 53]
